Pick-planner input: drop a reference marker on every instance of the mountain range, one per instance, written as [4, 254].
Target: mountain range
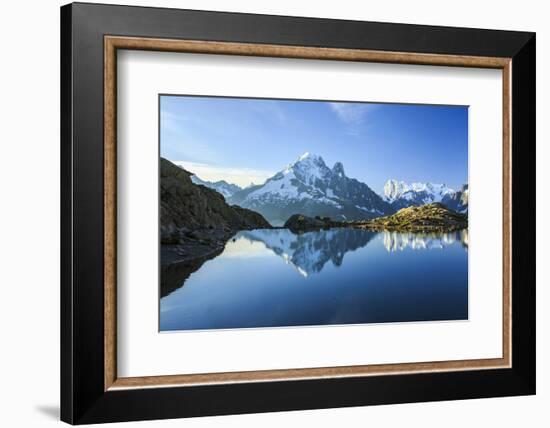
[402, 195]
[221, 186]
[308, 186]
[458, 200]
[187, 208]
[309, 253]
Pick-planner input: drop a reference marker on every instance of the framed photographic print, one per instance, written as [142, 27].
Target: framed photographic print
[265, 213]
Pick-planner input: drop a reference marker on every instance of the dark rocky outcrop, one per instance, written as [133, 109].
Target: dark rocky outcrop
[186, 207]
[433, 217]
[195, 224]
[426, 218]
[301, 223]
[174, 273]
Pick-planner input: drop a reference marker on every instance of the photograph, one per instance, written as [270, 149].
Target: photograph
[263, 211]
[281, 213]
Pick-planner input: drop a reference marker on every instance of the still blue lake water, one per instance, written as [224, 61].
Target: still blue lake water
[275, 278]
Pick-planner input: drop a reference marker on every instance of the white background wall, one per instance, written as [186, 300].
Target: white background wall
[29, 216]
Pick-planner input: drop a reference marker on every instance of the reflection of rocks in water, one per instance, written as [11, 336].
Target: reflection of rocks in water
[398, 241]
[173, 275]
[310, 251]
[464, 238]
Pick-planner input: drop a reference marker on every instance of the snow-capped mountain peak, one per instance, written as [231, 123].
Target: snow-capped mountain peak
[422, 192]
[304, 156]
[308, 186]
[309, 168]
[308, 158]
[393, 189]
[300, 179]
[222, 186]
[401, 195]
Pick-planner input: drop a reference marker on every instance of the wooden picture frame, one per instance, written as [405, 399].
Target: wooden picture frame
[91, 390]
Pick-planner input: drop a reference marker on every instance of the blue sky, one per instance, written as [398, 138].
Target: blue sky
[245, 140]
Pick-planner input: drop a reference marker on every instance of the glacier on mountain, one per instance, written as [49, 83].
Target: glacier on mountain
[429, 192]
[221, 186]
[308, 186]
[401, 195]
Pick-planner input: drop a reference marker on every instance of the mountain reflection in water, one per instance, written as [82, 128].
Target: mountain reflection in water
[275, 278]
[309, 252]
[398, 241]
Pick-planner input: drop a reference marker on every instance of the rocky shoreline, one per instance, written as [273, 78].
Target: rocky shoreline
[178, 261]
[181, 259]
[197, 222]
[433, 217]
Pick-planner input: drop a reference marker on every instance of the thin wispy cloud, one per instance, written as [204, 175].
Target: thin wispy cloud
[172, 122]
[352, 114]
[271, 109]
[243, 140]
[240, 176]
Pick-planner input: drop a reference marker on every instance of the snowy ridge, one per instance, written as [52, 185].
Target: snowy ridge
[222, 186]
[308, 186]
[298, 181]
[401, 195]
[429, 192]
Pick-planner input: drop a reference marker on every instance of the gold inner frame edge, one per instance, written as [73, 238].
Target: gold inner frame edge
[113, 43]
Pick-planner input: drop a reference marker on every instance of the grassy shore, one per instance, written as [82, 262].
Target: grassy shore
[433, 217]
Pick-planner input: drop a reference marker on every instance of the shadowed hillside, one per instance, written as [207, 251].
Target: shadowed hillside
[195, 224]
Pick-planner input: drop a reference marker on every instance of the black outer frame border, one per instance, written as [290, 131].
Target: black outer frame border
[83, 399]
